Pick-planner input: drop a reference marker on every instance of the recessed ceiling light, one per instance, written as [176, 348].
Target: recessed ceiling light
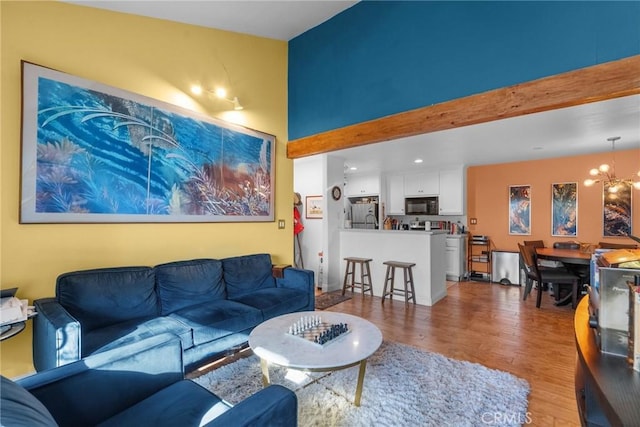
[353, 168]
[417, 161]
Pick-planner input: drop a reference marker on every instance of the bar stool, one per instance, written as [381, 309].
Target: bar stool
[350, 275]
[409, 291]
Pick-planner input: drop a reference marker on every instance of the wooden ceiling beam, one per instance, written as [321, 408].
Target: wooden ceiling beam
[596, 83]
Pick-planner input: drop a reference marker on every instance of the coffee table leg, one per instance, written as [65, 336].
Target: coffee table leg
[265, 372]
[363, 368]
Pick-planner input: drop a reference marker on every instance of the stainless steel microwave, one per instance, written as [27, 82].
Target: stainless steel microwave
[421, 206]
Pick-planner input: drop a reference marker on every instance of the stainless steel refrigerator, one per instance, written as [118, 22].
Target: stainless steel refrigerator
[364, 215]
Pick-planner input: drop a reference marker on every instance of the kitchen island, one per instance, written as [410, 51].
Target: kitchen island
[424, 248]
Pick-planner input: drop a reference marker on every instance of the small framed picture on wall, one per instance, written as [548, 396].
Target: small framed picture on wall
[313, 207]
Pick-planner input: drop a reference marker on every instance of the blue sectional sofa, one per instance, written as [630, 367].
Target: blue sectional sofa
[139, 384]
[212, 305]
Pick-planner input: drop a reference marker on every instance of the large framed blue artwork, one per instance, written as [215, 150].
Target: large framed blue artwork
[92, 153]
[564, 209]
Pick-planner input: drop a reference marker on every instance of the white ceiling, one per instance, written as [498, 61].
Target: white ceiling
[571, 131]
[564, 132]
[281, 20]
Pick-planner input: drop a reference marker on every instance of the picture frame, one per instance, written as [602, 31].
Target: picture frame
[617, 211]
[520, 209]
[93, 153]
[564, 209]
[313, 207]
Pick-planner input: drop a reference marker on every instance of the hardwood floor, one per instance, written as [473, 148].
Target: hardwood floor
[491, 325]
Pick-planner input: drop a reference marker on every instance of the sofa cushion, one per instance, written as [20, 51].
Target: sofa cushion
[21, 408]
[217, 319]
[123, 333]
[184, 403]
[101, 297]
[247, 273]
[275, 301]
[183, 283]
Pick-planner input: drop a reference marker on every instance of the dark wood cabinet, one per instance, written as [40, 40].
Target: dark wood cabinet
[607, 388]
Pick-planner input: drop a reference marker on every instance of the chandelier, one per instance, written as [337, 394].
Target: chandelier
[607, 174]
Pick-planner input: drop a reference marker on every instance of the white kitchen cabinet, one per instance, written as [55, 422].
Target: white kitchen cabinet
[362, 185]
[395, 195]
[421, 184]
[455, 257]
[451, 192]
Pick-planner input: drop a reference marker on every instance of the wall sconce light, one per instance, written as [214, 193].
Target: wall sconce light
[220, 93]
[607, 174]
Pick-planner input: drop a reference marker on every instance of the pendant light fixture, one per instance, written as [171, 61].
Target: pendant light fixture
[606, 173]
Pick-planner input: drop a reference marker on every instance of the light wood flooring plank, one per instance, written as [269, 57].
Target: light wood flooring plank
[491, 325]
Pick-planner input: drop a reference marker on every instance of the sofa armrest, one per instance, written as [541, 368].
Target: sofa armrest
[56, 335]
[300, 279]
[275, 406]
[94, 389]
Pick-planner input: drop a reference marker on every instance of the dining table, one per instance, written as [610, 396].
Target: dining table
[566, 256]
[577, 261]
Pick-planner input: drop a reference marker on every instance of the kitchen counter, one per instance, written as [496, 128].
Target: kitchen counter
[424, 248]
[358, 230]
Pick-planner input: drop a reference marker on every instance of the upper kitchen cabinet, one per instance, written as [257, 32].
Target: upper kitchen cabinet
[395, 195]
[362, 185]
[451, 200]
[422, 184]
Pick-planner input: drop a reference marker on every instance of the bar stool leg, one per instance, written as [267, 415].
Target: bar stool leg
[369, 284]
[362, 276]
[349, 272]
[406, 282]
[413, 289]
[388, 278]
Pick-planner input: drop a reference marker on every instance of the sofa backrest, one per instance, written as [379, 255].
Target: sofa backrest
[104, 296]
[247, 273]
[185, 283]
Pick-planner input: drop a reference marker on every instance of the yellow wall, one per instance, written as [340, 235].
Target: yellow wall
[488, 197]
[158, 59]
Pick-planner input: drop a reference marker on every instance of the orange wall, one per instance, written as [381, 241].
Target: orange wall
[488, 197]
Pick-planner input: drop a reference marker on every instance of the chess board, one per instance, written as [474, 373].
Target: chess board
[311, 333]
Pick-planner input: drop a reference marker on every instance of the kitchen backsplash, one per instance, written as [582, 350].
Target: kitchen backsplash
[455, 224]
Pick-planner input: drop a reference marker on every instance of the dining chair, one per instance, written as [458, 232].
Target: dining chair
[530, 276]
[582, 271]
[557, 276]
[566, 245]
[534, 243]
[543, 262]
[607, 245]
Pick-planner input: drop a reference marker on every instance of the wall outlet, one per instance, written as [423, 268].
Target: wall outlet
[473, 221]
[281, 223]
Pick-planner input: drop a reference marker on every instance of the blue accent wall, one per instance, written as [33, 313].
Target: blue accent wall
[384, 57]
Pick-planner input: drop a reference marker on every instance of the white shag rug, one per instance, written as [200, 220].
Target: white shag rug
[403, 386]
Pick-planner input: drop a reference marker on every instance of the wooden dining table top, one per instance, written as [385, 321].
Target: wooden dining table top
[569, 256]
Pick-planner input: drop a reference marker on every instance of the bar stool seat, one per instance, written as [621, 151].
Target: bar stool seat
[409, 291]
[350, 275]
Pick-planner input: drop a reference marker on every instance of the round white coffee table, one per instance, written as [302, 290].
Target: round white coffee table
[272, 343]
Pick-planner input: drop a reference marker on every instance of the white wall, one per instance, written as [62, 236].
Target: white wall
[315, 176]
[335, 219]
[308, 180]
